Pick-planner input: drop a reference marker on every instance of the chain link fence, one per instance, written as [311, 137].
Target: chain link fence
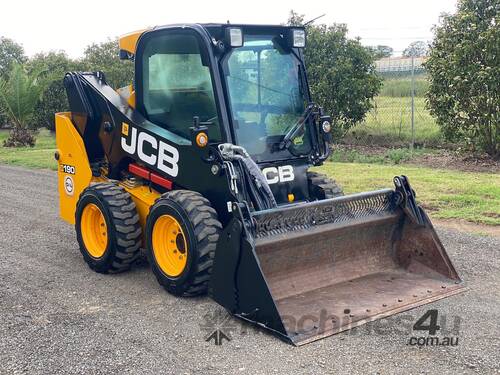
[399, 117]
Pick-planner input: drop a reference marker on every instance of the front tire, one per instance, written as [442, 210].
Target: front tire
[182, 231]
[107, 228]
[322, 187]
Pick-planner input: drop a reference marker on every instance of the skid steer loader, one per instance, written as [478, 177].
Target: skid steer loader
[204, 162]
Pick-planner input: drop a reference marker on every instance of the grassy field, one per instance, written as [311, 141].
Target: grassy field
[390, 156]
[40, 156]
[399, 87]
[389, 123]
[474, 197]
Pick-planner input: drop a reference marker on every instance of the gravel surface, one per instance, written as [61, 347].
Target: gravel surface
[57, 316]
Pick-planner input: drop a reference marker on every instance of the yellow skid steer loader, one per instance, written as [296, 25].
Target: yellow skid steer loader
[204, 162]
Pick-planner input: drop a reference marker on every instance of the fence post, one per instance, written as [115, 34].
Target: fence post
[412, 103]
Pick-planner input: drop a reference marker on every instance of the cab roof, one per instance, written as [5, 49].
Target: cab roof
[128, 42]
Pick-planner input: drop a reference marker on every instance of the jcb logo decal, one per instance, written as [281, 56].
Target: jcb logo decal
[280, 174]
[164, 156]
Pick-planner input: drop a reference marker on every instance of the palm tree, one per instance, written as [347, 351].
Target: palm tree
[19, 94]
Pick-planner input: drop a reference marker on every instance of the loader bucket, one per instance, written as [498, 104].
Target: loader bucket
[316, 269]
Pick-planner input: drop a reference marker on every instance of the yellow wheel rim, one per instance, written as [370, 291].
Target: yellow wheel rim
[94, 230]
[169, 245]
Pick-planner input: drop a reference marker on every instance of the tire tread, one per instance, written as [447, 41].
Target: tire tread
[125, 221]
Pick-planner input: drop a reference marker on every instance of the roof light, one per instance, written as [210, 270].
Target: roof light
[299, 38]
[234, 36]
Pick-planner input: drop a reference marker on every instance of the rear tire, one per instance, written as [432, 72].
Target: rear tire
[322, 187]
[182, 231]
[107, 228]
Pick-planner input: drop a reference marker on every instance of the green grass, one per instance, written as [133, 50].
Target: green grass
[40, 156]
[474, 197]
[391, 156]
[401, 87]
[389, 123]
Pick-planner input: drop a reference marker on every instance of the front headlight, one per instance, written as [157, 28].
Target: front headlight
[326, 126]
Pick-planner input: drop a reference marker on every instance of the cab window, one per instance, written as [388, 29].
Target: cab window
[177, 84]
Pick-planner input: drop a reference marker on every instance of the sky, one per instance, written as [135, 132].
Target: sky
[53, 25]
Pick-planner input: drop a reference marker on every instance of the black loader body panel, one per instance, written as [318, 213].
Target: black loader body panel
[288, 177]
[187, 165]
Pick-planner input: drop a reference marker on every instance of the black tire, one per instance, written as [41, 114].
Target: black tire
[122, 223]
[199, 224]
[322, 187]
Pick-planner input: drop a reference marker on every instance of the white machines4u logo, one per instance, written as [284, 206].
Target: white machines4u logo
[162, 155]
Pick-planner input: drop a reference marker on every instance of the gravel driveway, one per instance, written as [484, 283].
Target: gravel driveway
[57, 316]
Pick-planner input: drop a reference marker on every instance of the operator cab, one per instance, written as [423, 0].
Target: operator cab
[245, 83]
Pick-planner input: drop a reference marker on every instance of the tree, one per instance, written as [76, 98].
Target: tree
[464, 75]
[10, 52]
[416, 49]
[53, 65]
[381, 51]
[105, 57]
[341, 73]
[18, 97]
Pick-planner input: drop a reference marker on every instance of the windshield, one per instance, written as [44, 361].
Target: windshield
[266, 96]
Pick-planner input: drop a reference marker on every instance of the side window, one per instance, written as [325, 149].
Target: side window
[177, 84]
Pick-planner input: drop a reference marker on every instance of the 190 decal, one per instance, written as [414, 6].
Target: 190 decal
[68, 169]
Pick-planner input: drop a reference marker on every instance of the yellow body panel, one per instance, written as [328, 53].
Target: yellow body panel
[144, 198]
[128, 42]
[73, 171]
[131, 98]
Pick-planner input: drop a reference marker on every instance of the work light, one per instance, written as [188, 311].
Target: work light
[234, 36]
[299, 38]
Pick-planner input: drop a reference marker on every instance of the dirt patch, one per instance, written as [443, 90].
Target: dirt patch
[466, 226]
[444, 159]
[492, 214]
[432, 158]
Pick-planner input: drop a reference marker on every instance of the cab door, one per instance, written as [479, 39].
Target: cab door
[174, 82]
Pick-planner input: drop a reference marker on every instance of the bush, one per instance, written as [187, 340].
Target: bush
[464, 92]
[52, 101]
[20, 137]
[398, 155]
[105, 57]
